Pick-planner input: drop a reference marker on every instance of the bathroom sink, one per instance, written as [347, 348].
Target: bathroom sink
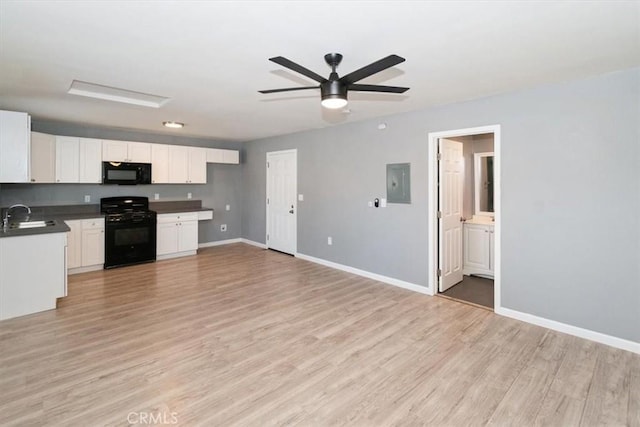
[31, 224]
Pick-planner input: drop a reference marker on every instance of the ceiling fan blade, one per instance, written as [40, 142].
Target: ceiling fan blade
[378, 88]
[288, 89]
[281, 60]
[372, 68]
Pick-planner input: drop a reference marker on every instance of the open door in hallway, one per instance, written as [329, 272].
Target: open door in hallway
[451, 174]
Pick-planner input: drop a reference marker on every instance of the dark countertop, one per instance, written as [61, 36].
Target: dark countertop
[60, 227]
[61, 213]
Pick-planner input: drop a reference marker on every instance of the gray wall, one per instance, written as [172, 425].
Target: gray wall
[223, 181]
[570, 197]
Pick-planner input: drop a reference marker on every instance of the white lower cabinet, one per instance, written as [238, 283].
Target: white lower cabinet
[85, 245]
[92, 242]
[478, 249]
[177, 235]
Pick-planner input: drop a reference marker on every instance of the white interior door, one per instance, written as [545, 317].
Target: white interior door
[451, 178]
[282, 209]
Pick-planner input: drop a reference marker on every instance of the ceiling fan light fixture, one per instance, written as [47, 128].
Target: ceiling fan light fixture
[334, 102]
[173, 125]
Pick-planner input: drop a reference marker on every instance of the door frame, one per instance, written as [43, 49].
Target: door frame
[295, 201]
[432, 210]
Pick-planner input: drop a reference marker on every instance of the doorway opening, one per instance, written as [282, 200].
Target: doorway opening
[464, 215]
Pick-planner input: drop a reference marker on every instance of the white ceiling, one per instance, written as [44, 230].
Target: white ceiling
[211, 58]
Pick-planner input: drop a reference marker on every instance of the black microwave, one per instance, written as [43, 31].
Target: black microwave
[126, 173]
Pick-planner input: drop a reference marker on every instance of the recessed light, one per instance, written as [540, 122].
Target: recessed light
[173, 125]
[92, 90]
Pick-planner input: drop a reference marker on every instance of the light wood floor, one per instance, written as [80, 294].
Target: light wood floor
[242, 336]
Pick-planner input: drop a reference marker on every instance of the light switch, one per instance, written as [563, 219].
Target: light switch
[189, 195]
[383, 203]
[156, 196]
[227, 208]
[370, 203]
[87, 199]
[300, 197]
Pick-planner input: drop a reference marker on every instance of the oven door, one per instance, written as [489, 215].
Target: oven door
[130, 242]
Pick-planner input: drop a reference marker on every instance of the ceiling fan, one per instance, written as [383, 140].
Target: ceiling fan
[334, 89]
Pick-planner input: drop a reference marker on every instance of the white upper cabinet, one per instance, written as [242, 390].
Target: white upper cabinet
[15, 146]
[159, 164]
[90, 160]
[43, 158]
[218, 155]
[187, 165]
[67, 159]
[78, 160]
[178, 164]
[197, 165]
[126, 151]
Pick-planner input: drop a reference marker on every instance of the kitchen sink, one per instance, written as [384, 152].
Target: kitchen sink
[31, 224]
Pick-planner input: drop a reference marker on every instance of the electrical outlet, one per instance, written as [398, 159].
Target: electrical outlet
[301, 197]
[329, 241]
[156, 196]
[223, 227]
[370, 203]
[227, 208]
[87, 198]
[188, 195]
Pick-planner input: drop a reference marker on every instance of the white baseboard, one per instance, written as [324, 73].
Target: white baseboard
[601, 338]
[253, 243]
[175, 255]
[367, 274]
[230, 241]
[79, 270]
[219, 242]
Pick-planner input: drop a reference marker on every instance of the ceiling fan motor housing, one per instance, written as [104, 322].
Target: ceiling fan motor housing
[333, 89]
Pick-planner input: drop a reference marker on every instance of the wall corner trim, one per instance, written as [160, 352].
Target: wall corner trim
[388, 280]
[598, 337]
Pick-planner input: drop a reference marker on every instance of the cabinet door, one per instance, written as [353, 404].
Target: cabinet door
[115, 151]
[139, 152]
[159, 164]
[15, 135]
[67, 159]
[90, 160]
[231, 157]
[74, 244]
[215, 155]
[188, 236]
[92, 247]
[197, 165]
[476, 247]
[43, 157]
[178, 164]
[167, 238]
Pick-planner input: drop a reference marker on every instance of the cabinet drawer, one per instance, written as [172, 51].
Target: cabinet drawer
[89, 224]
[177, 217]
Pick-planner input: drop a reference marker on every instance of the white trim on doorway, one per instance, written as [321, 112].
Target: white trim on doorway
[432, 263]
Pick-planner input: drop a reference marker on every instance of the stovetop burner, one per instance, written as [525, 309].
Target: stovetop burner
[120, 205]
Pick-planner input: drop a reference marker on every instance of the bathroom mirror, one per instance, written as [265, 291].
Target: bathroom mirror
[483, 171]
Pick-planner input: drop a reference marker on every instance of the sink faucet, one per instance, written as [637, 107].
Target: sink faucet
[7, 213]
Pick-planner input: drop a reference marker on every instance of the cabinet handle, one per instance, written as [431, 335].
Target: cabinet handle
[33, 180]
